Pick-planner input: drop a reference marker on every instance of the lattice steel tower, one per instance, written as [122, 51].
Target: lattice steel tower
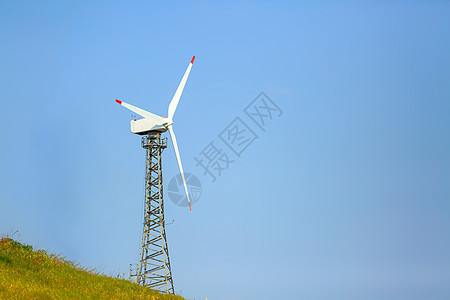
[154, 264]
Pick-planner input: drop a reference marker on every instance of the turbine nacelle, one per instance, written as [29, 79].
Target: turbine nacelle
[144, 126]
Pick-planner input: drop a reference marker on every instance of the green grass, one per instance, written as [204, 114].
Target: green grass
[29, 274]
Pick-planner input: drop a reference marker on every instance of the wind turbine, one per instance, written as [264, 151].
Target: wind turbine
[152, 122]
[154, 265]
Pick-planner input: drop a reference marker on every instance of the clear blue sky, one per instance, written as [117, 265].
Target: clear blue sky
[344, 196]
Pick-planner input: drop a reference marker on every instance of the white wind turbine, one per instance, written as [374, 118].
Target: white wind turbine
[152, 122]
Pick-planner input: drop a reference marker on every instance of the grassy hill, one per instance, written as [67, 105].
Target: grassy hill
[29, 274]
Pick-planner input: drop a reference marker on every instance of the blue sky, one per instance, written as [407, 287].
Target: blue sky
[343, 196]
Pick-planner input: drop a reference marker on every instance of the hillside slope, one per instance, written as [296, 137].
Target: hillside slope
[29, 274]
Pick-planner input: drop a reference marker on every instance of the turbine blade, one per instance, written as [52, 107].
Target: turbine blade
[176, 98]
[175, 146]
[142, 112]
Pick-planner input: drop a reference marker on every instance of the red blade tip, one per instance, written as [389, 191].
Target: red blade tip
[190, 206]
[118, 101]
[192, 61]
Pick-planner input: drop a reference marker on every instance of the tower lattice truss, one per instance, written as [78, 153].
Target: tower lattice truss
[154, 265]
